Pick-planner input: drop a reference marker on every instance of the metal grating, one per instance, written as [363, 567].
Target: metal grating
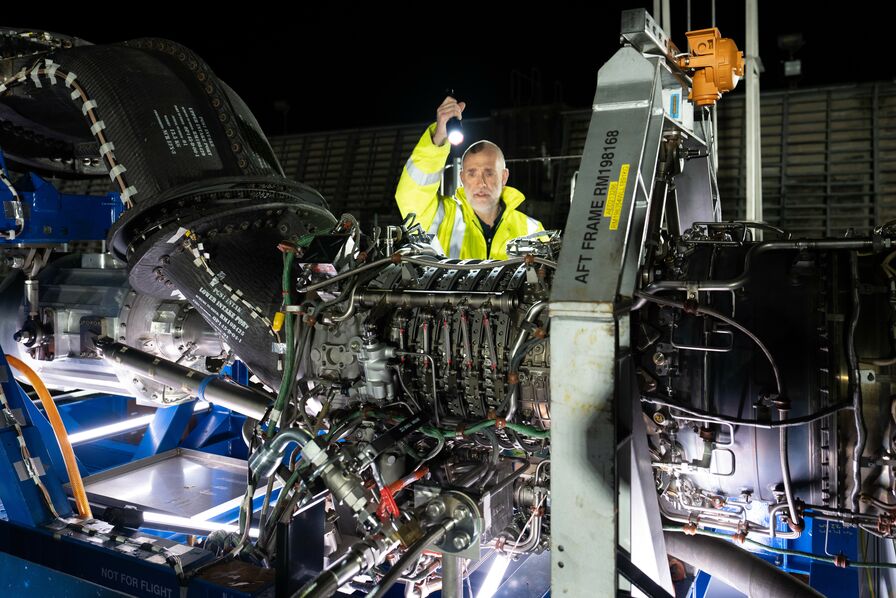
[355, 170]
[828, 158]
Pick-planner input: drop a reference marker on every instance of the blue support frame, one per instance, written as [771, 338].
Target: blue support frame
[21, 498]
[24, 516]
[52, 218]
[165, 430]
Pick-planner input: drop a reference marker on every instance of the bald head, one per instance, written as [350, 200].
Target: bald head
[484, 146]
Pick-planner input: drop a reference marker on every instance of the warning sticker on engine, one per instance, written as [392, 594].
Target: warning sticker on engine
[186, 132]
[616, 197]
[224, 313]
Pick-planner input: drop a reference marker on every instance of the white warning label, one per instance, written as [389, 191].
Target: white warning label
[185, 132]
[224, 312]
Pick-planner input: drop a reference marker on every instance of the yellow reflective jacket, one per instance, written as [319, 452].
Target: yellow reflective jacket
[452, 219]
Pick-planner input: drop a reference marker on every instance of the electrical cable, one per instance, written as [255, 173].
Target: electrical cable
[68, 455]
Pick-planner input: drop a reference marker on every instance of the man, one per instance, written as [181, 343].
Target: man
[482, 216]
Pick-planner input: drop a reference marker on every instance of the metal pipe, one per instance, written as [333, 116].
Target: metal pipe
[856, 385]
[486, 265]
[736, 567]
[750, 423]
[716, 522]
[432, 371]
[785, 474]
[532, 540]
[738, 517]
[703, 420]
[531, 314]
[888, 507]
[511, 478]
[452, 576]
[754, 252]
[348, 273]
[359, 558]
[703, 310]
[217, 391]
[351, 306]
[849, 519]
[504, 301]
[773, 520]
[752, 116]
[472, 476]
[411, 555]
[264, 460]
[427, 571]
[398, 258]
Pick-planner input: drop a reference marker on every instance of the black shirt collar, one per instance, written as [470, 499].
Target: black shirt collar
[489, 231]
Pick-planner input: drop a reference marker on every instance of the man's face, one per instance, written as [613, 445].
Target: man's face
[483, 178]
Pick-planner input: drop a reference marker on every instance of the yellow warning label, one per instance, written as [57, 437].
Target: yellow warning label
[618, 197]
[611, 198]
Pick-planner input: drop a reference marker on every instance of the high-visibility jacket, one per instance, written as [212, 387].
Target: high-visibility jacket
[452, 219]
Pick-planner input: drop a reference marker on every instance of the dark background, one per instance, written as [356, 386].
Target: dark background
[339, 66]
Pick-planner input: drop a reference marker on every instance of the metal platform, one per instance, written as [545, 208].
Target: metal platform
[180, 482]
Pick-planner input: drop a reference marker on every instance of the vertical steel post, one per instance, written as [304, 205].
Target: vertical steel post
[752, 115]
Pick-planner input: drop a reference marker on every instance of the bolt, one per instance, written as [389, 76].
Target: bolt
[659, 418]
[870, 376]
[435, 509]
[659, 359]
[461, 512]
[461, 540]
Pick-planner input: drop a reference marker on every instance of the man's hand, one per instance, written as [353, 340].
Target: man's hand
[450, 108]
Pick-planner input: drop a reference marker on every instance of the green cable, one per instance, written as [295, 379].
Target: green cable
[290, 482]
[288, 258]
[529, 431]
[788, 552]
[479, 427]
[431, 431]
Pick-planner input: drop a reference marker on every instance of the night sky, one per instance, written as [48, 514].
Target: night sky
[339, 66]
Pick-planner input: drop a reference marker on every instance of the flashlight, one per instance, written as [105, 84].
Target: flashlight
[453, 127]
[455, 131]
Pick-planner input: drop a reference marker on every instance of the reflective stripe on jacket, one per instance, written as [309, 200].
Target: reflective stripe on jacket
[452, 219]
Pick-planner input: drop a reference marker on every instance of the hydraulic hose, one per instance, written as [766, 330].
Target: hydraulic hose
[68, 455]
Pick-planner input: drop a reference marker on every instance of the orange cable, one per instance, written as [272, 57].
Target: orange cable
[68, 455]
